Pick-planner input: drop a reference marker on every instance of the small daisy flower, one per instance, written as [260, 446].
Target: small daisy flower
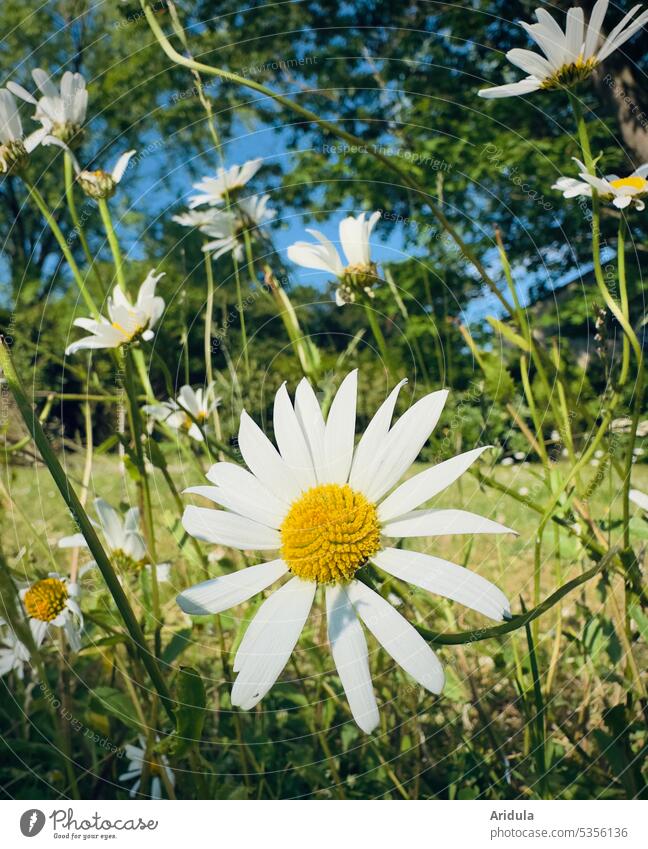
[60, 111]
[52, 603]
[14, 146]
[102, 184]
[622, 191]
[359, 274]
[328, 507]
[570, 56]
[137, 757]
[13, 653]
[225, 229]
[126, 322]
[123, 538]
[188, 412]
[226, 185]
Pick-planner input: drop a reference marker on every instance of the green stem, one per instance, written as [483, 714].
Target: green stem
[78, 227]
[113, 242]
[85, 526]
[39, 200]
[378, 336]
[239, 307]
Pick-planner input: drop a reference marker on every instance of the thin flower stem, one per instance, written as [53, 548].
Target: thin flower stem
[209, 320]
[378, 336]
[333, 129]
[240, 309]
[113, 242]
[85, 526]
[74, 215]
[39, 200]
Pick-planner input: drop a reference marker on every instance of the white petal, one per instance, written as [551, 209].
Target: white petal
[639, 498]
[74, 541]
[404, 442]
[349, 650]
[249, 491]
[435, 523]
[291, 441]
[574, 34]
[237, 503]
[620, 34]
[270, 640]
[426, 485]
[265, 462]
[111, 523]
[400, 639]
[366, 457]
[223, 528]
[445, 579]
[593, 29]
[227, 591]
[339, 435]
[121, 165]
[530, 62]
[309, 415]
[525, 86]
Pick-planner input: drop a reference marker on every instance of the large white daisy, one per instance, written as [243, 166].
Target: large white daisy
[127, 322]
[358, 274]
[328, 507]
[569, 56]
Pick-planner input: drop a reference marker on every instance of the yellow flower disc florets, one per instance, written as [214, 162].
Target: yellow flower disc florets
[329, 533]
[45, 599]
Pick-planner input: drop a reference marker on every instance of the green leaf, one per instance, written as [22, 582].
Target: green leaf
[510, 335]
[118, 704]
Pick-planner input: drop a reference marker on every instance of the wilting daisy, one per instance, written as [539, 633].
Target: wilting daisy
[126, 322]
[13, 653]
[60, 111]
[123, 538]
[359, 274]
[102, 184]
[52, 603]
[189, 412]
[155, 765]
[622, 191]
[226, 185]
[570, 56]
[328, 508]
[14, 146]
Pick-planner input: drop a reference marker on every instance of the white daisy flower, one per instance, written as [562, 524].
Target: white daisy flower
[14, 146]
[570, 56]
[62, 112]
[327, 508]
[102, 184]
[226, 228]
[126, 322]
[190, 410]
[225, 185]
[639, 498]
[137, 757]
[13, 653]
[359, 274]
[622, 191]
[123, 538]
[53, 603]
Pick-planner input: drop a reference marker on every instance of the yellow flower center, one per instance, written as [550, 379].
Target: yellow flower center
[124, 562]
[571, 74]
[329, 533]
[46, 599]
[638, 183]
